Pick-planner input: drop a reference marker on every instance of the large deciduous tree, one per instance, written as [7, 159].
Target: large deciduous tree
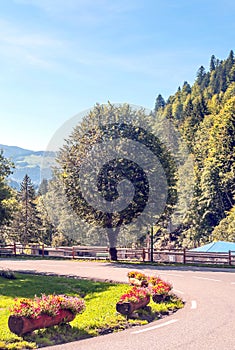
[116, 172]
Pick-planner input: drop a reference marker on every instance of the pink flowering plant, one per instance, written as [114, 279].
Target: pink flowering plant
[25, 307]
[47, 304]
[135, 295]
[161, 287]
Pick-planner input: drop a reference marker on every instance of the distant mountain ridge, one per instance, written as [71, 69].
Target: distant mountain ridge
[28, 162]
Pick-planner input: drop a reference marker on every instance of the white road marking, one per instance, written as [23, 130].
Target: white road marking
[171, 274]
[77, 267]
[51, 265]
[178, 291]
[193, 304]
[155, 327]
[208, 279]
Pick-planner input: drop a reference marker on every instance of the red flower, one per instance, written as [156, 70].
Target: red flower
[134, 295]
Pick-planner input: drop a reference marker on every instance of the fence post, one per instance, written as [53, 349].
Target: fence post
[43, 250]
[151, 244]
[184, 256]
[14, 248]
[143, 255]
[229, 258]
[73, 252]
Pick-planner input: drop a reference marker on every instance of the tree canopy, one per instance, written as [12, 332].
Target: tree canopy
[116, 172]
[205, 117]
[5, 190]
[123, 170]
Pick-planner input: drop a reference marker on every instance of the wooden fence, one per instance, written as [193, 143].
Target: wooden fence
[84, 252]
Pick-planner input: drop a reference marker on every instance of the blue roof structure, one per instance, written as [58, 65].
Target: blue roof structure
[216, 247]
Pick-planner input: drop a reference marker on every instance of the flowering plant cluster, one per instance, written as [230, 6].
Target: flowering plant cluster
[135, 295]
[161, 287]
[153, 281]
[154, 284]
[25, 307]
[47, 304]
[138, 275]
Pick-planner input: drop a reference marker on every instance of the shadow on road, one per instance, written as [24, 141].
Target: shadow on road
[144, 266]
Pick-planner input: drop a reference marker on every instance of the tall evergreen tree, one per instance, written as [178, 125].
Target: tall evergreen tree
[186, 88]
[26, 224]
[160, 103]
[201, 73]
[212, 63]
[230, 62]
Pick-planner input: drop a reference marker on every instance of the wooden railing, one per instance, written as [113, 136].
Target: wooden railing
[182, 256]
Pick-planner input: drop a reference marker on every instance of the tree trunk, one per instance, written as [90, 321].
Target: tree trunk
[21, 325]
[128, 308]
[112, 236]
[113, 253]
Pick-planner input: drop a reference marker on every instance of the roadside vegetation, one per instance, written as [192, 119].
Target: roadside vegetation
[203, 115]
[100, 316]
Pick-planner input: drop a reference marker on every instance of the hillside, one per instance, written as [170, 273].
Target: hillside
[204, 114]
[28, 162]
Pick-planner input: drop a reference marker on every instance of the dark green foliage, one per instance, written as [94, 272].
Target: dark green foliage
[201, 74]
[212, 63]
[26, 223]
[114, 171]
[5, 191]
[207, 123]
[160, 103]
[186, 88]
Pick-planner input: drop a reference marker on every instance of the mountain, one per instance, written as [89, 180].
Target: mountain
[37, 164]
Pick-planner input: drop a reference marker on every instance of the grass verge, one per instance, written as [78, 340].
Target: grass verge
[100, 316]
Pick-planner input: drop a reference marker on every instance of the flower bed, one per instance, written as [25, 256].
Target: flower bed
[100, 316]
[157, 288]
[41, 312]
[137, 279]
[134, 299]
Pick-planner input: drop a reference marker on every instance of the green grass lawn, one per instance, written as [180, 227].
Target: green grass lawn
[99, 317]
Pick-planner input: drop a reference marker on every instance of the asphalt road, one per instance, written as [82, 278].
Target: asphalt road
[207, 322]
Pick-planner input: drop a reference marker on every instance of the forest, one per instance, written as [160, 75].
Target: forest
[204, 116]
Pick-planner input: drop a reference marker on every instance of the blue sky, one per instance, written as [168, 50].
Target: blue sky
[60, 57]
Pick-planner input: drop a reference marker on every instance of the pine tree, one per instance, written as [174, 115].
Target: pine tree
[201, 73]
[230, 62]
[160, 103]
[27, 222]
[212, 63]
[186, 88]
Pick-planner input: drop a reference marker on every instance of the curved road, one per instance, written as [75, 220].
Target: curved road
[207, 322]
